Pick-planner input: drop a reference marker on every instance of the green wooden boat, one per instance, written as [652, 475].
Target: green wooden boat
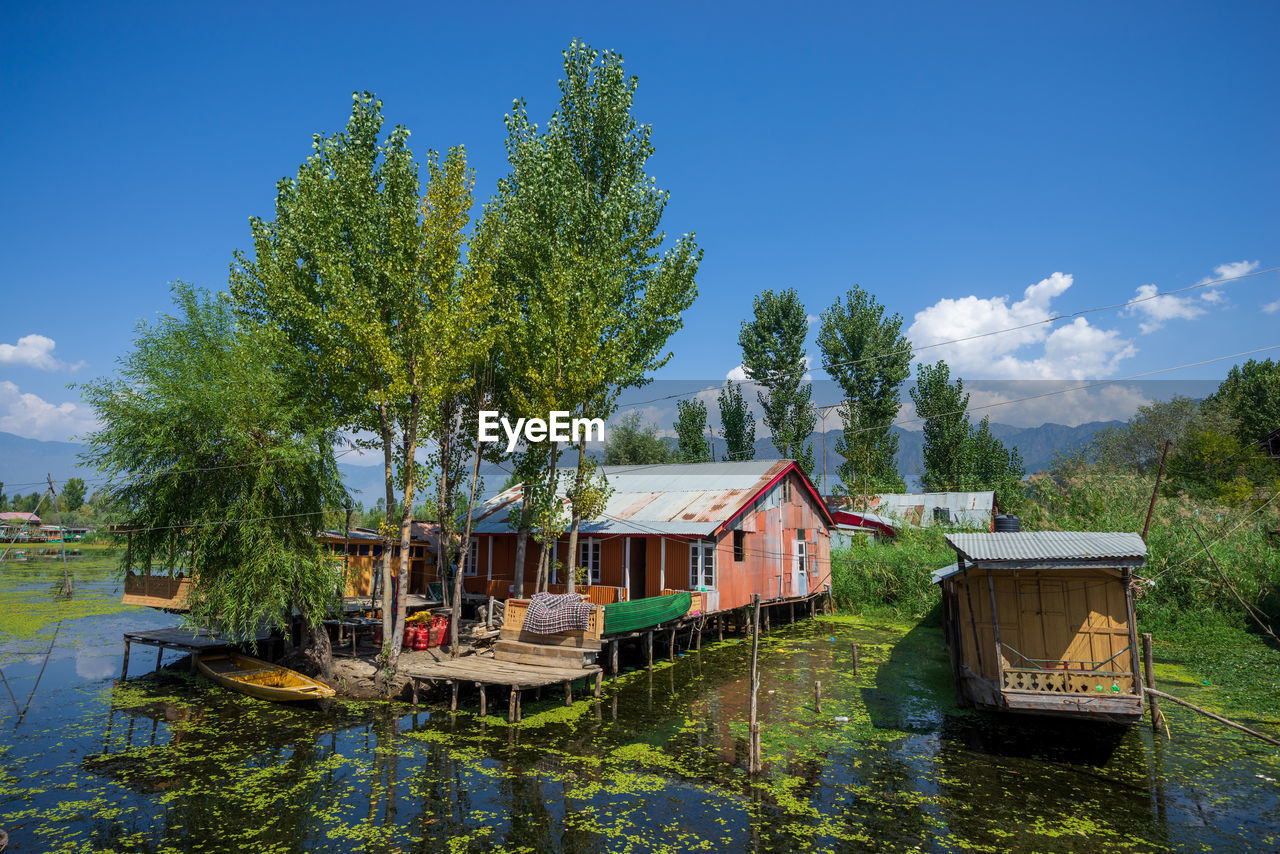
[643, 613]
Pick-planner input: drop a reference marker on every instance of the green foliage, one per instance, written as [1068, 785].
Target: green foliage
[595, 296]
[773, 356]
[1214, 466]
[737, 424]
[1250, 395]
[216, 461]
[891, 574]
[866, 353]
[73, 494]
[1138, 443]
[943, 405]
[691, 432]
[632, 444]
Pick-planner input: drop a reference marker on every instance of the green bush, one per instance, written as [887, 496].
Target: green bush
[891, 575]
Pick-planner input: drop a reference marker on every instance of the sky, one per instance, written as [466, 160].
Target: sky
[975, 167]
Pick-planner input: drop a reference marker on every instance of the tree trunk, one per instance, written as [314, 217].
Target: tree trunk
[522, 551]
[406, 528]
[466, 553]
[443, 501]
[316, 647]
[388, 601]
[575, 518]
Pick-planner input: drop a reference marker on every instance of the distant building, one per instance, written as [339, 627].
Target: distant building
[729, 529]
[922, 509]
[19, 526]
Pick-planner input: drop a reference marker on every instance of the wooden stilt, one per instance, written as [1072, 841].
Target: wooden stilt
[195, 657]
[613, 659]
[720, 628]
[817, 697]
[792, 606]
[453, 695]
[483, 704]
[415, 692]
[520, 706]
[511, 705]
[855, 659]
[1148, 672]
[124, 669]
[671, 648]
[568, 693]
[766, 619]
[753, 728]
[648, 643]
[159, 657]
[698, 641]
[599, 683]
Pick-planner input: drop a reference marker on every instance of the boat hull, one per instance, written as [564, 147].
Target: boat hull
[259, 678]
[643, 613]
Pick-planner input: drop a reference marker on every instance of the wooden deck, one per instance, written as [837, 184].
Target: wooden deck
[484, 671]
[183, 640]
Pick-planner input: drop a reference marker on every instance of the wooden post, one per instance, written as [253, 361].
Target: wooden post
[453, 695]
[817, 697]
[753, 729]
[483, 703]
[488, 614]
[831, 605]
[766, 620]
[414, 683]
[648, 643]
[793, 611]
[194, 659]
[995, 629]
[568, 693]
[1149, 677]
[720, 628]
[613, 659]
[671, 648]
[159, 657]
[599, 682]
[855, 659]
[511, 706]
[698, 638]
[1151, 508]
[124, 669]
[520, 706]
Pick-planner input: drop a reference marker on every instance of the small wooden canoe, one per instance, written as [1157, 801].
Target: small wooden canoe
[643, 613]
[259, 678]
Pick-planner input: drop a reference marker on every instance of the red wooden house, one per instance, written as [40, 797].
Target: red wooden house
[731, 529]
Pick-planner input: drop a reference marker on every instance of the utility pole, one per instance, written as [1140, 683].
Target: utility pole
[1151, 508]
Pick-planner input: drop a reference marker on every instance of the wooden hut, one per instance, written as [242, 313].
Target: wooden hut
[1042, 622]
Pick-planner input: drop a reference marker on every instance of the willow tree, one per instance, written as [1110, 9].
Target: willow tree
[865, 352]
[363, 278]
[221, 471]
[597, 295]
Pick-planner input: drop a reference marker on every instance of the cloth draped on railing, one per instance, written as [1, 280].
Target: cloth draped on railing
[550, 613]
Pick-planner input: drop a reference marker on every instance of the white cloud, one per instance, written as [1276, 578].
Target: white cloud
[738, 375]
[1272, 307]
[1077, 350]
[29, 415]
[34, 351]
[1230, 270]
[1212, 296]
[811, 319]
[1159, 309]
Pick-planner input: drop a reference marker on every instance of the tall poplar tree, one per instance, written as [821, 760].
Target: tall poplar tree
[737, 424]
[773, 356]
[943, 405]
[582, 251]
[691, 431]
[867, 355]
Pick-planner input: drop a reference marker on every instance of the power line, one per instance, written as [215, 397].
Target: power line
[994, 332]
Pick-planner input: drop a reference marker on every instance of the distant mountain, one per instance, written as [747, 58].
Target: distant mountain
[27, 461]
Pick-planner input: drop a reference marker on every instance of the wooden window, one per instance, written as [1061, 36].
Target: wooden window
[739, 545]
[802, 551]
[377, 551]
[589, 556]
[702, 564]
[786, 490]
[471, 562]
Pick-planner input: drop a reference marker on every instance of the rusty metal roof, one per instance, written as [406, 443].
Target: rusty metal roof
[1048, 546]
[690, 499]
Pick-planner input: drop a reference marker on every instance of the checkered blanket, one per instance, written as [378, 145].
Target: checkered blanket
[550, 613]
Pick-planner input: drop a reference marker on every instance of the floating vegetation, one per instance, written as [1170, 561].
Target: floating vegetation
[658, 764]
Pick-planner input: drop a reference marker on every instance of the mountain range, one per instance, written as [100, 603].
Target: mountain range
[24, 463]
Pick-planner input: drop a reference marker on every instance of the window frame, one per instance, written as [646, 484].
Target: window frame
[702, 564]
[739, 546]
[594, 550]
[471, 559]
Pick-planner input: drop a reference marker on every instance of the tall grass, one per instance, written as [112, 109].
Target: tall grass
[891, 576]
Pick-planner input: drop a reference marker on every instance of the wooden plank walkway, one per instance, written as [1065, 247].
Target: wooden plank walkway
[484, 671]
[183, 640]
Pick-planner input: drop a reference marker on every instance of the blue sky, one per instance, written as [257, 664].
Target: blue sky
[945, 157]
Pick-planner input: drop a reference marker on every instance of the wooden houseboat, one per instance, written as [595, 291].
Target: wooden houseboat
[1042, 622]
[728, 530]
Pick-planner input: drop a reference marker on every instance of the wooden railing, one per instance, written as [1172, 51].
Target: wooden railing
[597, 594]
[157, 591]
[699, 600]
[513, 620]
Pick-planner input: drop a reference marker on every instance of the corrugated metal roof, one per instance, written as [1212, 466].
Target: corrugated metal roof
[1047, 546]
[681, 499]
[945, 572]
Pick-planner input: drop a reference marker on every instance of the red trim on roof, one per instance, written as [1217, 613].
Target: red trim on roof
[791, 466]
[856, 520]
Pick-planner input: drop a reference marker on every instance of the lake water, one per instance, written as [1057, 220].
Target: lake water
[175, 764]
